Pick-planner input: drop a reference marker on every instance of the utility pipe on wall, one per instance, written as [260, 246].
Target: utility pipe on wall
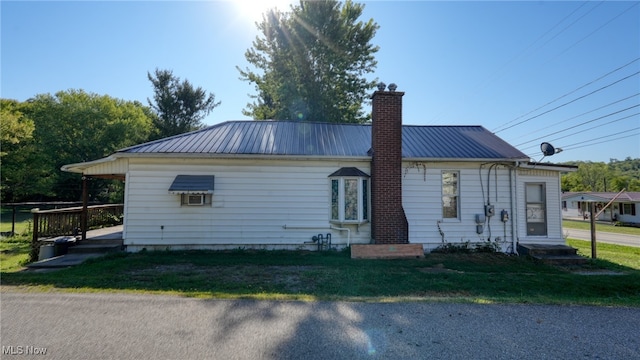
[321, 227]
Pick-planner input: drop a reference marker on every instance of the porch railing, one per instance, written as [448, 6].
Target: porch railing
[60, 222]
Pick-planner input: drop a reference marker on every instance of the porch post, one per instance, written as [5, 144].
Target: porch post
[85, 201]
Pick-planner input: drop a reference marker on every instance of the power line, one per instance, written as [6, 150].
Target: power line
[569, 102]
[581, 124]
[591, 128]
[598, 29]
[584, 113]
[494, 75]
[599, 138]
[602, 142]
[569, 93]
[593, 143]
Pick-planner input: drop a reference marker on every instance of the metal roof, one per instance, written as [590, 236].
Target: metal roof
[331, 140]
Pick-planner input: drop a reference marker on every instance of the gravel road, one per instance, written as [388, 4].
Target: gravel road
[121, 326]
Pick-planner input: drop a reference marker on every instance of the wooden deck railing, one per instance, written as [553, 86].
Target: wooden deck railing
[60, 222]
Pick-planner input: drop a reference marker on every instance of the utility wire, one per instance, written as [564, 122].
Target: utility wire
[602, 142]
[569, 102]
[599, 138]
[567, 94]
[598, 29]
[584, 113]
[581, 124]
[494, 75]
[591, 143]
[591, 128]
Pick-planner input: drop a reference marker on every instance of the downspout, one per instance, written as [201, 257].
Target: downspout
[513, 185]
[343, 229]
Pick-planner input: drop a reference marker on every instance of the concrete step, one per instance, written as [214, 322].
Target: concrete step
[101, 242]
[543, 249]
[562, 255]
[62, 261]
[84, 248]
[561, 260]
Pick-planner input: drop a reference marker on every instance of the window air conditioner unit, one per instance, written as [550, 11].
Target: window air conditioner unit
[195, 199]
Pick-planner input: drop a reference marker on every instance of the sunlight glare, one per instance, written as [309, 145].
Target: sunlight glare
[252, 10]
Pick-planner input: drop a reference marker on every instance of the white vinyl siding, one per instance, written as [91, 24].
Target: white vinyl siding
[422, 202]
[265, 203]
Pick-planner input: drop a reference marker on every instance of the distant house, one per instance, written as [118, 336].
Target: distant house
[277, 184]
[625, 207]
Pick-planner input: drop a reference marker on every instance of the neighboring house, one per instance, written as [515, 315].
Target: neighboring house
[624, 208]
[276, 184]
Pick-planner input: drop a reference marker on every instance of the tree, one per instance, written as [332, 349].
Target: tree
[14, 127]
[312, 61]
[70, 127]
[599, 177]
[179, 106]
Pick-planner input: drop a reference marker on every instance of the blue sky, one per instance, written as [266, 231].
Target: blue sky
[563, 72]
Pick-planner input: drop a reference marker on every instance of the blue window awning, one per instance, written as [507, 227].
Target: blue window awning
[192, 184]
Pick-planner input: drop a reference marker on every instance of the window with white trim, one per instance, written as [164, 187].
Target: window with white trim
[536, 209]
[450, 194]
[349, 189]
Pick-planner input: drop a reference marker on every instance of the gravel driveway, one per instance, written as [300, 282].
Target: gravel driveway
[120, 326]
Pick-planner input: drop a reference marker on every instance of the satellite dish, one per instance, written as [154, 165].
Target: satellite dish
[547, 149]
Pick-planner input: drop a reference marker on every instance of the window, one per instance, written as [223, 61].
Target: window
[349, 196]
[450, 194]
[628, 209]
[536, 209]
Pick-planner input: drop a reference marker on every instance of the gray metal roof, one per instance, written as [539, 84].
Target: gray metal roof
[331, 140]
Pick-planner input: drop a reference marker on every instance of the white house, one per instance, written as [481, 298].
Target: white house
[276, 184]
[624, 206]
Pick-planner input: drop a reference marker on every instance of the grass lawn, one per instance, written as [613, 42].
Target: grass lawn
[586, 225]
[615, 256]
[479, 278]
[23, 220]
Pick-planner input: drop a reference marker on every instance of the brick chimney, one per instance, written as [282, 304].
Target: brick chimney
[389, 223]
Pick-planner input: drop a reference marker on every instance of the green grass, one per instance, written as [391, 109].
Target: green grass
[479, 278]
[586, 225]
[23, 220]
[615, 256]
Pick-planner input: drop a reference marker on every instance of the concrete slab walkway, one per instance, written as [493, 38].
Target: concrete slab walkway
[110, 234]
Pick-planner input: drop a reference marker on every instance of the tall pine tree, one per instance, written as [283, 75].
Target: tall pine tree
[312, 63]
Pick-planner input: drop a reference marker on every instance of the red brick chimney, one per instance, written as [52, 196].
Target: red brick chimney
[389, 223]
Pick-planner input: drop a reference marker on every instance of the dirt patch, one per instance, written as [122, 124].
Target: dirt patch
[438, 269]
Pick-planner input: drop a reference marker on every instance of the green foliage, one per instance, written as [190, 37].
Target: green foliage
[312, 63]
[600, 177]
[179, 106]
[70, 127]
[14, 127]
